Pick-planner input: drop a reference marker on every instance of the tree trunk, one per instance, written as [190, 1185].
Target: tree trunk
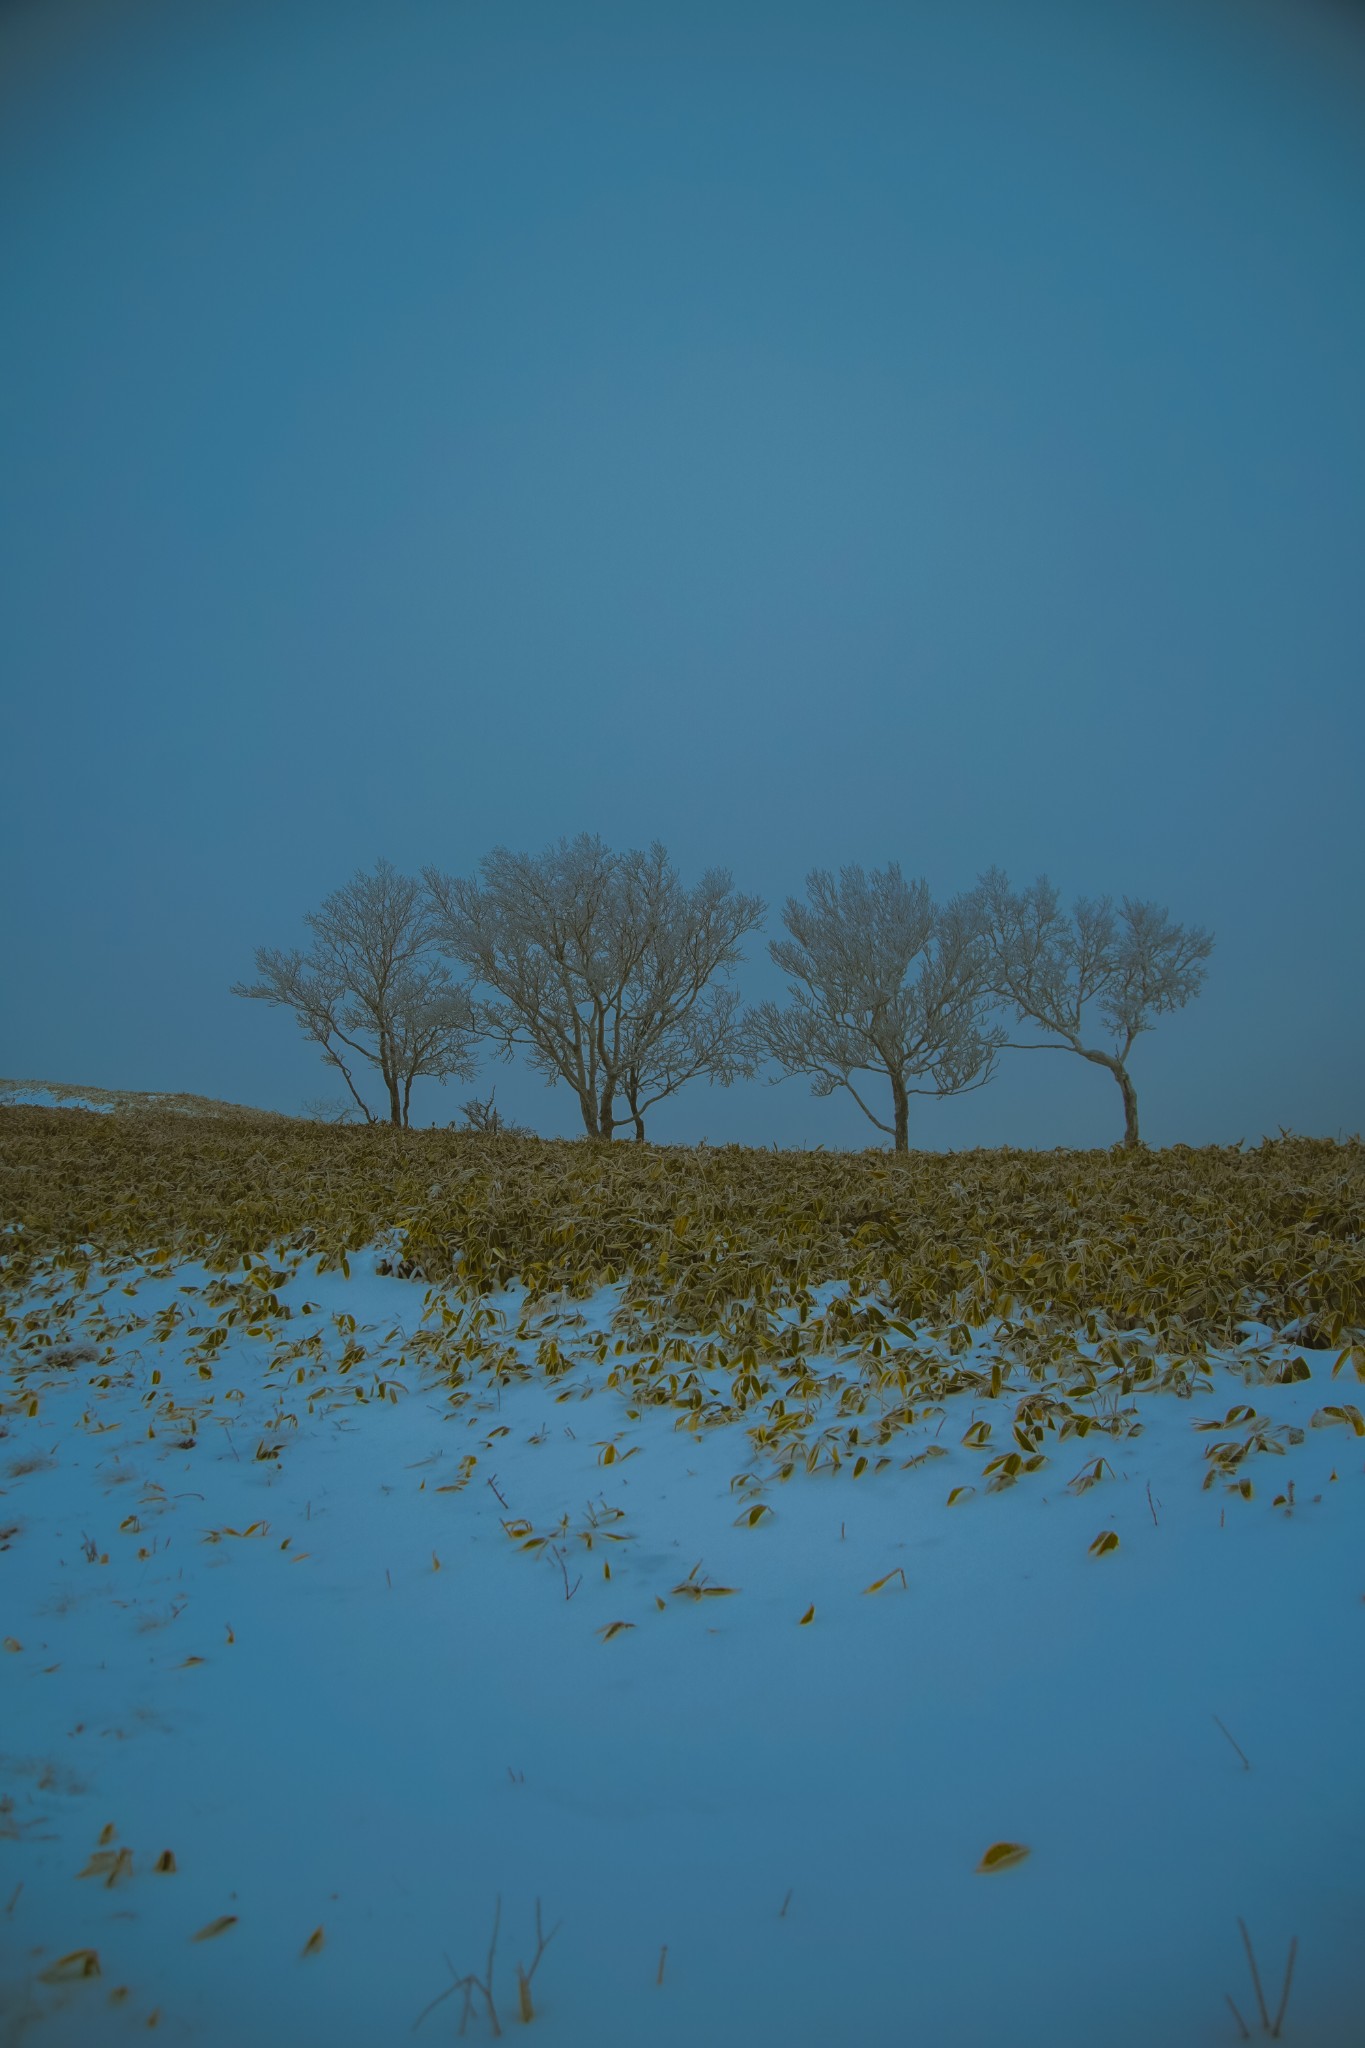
[587, 1103]
[606, 1120]
[1130, 1113]
[1131, 1139]
[390, 1073]
[902, 1111]
[633, 1099]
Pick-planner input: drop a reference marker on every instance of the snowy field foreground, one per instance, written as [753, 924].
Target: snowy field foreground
[287, 1707]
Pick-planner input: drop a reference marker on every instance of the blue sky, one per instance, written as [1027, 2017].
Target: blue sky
[804, 434]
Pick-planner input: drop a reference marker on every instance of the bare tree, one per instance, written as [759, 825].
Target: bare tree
[1048, 968]
[374, 988]
[600, 965]
[852, 1011]
[675, 1025]
[487, 1121]
[328, 1109]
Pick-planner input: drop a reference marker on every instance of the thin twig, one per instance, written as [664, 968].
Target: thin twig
[493, 1483]
[1288, 1980]
[524, 1976]
[1255, 1977]
[569, 1590]
[441, 1997]
[1246, 1760]
[662, 1953]
[14, 1896]
[487, 1986]
[1151, 1504]
[469, 1983]
[1246, 2031]
[782, 1912]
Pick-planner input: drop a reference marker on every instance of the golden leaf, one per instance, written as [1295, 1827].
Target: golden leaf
[877, 1584]
[82, 1962]
[1343, 1412]
[215, 1927]
[1001, 1855]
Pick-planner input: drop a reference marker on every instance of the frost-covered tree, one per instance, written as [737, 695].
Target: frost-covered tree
[677, 1022]
[601, 967]
[486, 1120]
[373, 988]
[853, 1011]
[1049, 967]
[328, 1109]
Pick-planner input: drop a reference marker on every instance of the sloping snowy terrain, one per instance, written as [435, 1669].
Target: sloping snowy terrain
[272, 1619]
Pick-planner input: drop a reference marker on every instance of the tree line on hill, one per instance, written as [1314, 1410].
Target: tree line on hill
[612, 977]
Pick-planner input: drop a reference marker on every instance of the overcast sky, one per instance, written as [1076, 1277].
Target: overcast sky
[802, 433]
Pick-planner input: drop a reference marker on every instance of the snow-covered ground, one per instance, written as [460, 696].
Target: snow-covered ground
[20, 1094]
[750, 1795]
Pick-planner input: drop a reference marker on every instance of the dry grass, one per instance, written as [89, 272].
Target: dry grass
[1179, 1243]
[1074, 1281]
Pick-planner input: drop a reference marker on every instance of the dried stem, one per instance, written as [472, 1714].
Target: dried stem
[487, 1986]
[1255, 1977]
[1288, 1980]
[461, 1983]
[558, 1556]
[524, 1976]
[1246, 1760]
[470, 1984]
[1246, 2031]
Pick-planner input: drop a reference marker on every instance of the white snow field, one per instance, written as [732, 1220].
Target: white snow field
[291, 1641]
